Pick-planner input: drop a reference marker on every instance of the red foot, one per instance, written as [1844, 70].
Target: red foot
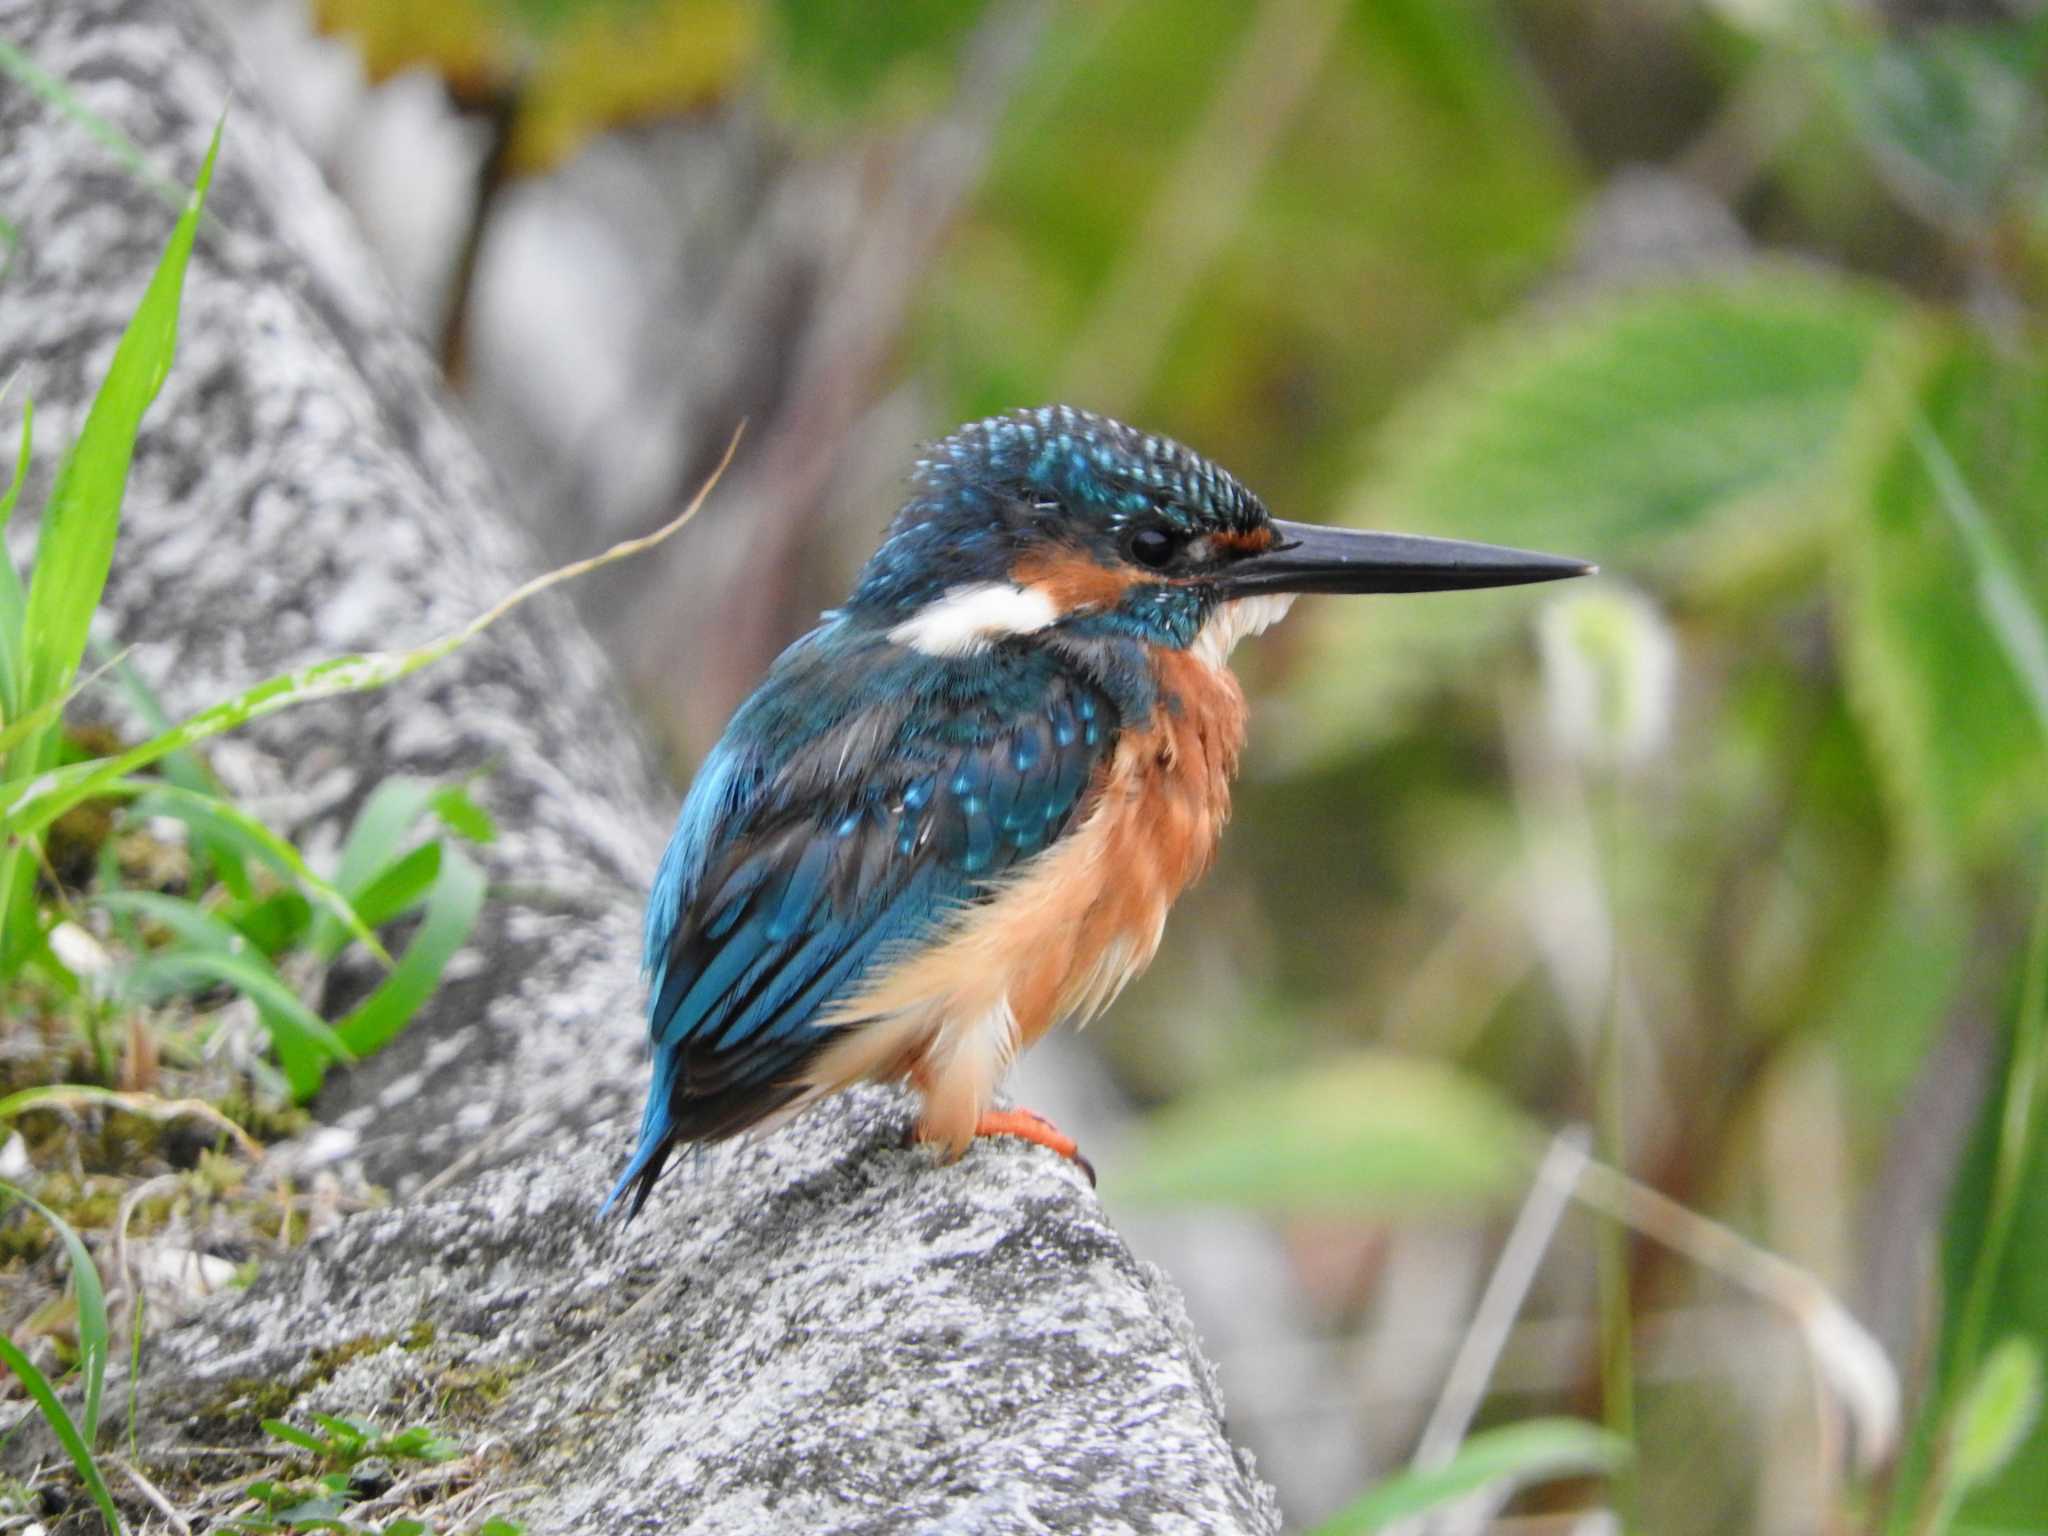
[1025, 1124]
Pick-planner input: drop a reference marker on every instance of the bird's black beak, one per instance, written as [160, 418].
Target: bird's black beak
[1308, 558]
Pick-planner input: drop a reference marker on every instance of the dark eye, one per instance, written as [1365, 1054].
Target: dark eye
[1152, 547]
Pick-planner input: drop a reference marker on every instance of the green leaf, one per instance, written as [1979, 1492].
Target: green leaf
[195, 927]
[1994, 1267]
[278, 1429]
[421, 1442]
[453, 903]
[304, 1043]
[376, 840]
[378, 870]
[225, 823]
[21, 458]
[1681, 428]
[75, 545]
[1515, 1454]
[1369, 1132]
[93, 1342]
[59, 1419]
[838, 60]
[12, 599]
[1942, 575]
[461, 814]
[24, 726]
[398, 887]
[1997, 1413]
[274, 923]
[2011, 612]
[1945, 115]
[28, 806]
[188, 772]
[345, 1432]
[94, 1335]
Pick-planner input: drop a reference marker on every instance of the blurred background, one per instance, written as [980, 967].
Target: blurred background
[1736, 851]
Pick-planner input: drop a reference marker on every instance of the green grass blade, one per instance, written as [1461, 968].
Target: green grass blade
[375, 841]
[1517, 1453]
[380, 828]
[61, 1425]
[135, 1375]
[94, 1335]
[2016, 622]
[226, 822]
[75, 546]
[188, 771]
[28, 806]
[304, 1042]
[2001, 590]
[400, 887]
[452, 907]
[21, 458]
[13, 601]
[1996, 1413]
[18, 65]
[195, 927]
[45, 714]
[2017, 1125]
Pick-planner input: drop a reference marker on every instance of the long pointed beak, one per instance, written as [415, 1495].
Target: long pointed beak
[1309, 558]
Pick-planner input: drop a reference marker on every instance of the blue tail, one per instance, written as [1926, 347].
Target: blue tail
[657, 1140]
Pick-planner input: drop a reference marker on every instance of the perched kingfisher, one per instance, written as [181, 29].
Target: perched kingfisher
[957, 811]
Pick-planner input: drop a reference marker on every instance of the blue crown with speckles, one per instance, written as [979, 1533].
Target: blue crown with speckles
[1080, 458]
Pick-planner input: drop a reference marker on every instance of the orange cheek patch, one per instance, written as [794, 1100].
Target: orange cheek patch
[1073, 581]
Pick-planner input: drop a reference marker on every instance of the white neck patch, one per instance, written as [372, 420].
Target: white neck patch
[971, 619]
[1233, 620]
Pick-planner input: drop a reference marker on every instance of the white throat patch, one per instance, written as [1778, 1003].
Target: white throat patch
[970, 619]
[1233, 620]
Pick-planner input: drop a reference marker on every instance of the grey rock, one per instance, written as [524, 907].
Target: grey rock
[819, 1331]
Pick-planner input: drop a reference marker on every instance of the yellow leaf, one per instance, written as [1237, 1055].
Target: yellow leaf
[594, 65]
[466, 42]
[617, 64]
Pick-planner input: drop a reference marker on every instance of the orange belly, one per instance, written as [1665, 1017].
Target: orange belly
[1061, 939]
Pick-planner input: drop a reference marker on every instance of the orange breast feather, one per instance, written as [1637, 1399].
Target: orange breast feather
[1061, 939]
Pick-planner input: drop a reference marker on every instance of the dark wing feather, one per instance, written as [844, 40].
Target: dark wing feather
[784, 884]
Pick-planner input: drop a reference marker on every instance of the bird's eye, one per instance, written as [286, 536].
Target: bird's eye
[1152, 547]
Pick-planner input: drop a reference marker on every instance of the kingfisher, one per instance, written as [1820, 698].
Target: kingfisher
[958, 810]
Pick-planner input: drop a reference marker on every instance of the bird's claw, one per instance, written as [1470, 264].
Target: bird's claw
[1026, 1125]
[1031, 1126]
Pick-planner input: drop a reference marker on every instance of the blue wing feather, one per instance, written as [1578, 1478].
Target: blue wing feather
[860, 795]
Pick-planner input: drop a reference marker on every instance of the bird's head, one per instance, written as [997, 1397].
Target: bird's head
[1058, 519]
